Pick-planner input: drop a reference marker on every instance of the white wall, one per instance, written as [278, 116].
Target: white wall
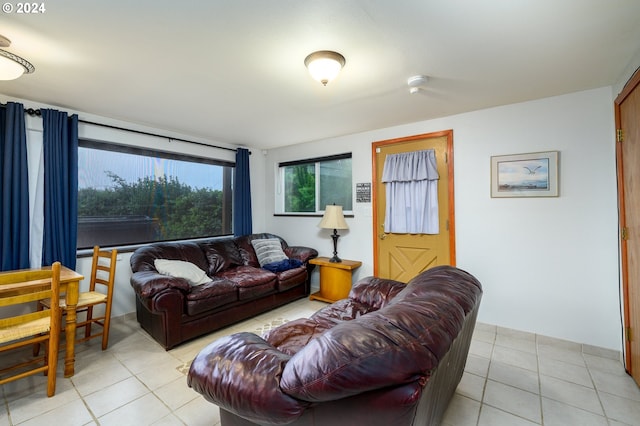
[548, 265]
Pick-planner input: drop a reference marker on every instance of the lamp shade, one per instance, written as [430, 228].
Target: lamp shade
[333, 218]
[324, 65]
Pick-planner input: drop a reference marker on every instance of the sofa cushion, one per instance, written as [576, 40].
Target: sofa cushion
[376, 292]
[143, 258]
[221, 255]
[268, 250]
[291, 337]
[291, 278]
[245, 367]
[340, 311]
[295, 335]
[182, 269]
[251, 282]
[413, 332]
[246, 293]
[335, 365]
[211, 295]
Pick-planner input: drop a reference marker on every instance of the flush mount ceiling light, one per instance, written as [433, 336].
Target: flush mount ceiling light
[12, 66]
[324, 65]
[417, 83]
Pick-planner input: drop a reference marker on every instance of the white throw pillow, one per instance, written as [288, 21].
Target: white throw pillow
[182, 269]
[268, 250]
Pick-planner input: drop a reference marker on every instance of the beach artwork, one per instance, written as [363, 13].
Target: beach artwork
[524, 175]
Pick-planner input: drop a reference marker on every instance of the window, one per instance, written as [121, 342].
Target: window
[307, 186]
[133, 196]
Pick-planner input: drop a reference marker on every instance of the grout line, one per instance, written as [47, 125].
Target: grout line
[486, 377]
[595, 388]
[539, 381]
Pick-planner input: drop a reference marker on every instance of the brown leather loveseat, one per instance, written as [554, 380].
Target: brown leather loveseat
[209, 284]
[389, 354]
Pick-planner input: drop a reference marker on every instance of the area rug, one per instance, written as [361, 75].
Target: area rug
[184, 368]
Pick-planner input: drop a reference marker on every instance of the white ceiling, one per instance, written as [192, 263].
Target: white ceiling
[233, 71]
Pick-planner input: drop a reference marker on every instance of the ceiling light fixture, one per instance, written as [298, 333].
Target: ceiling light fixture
[324, 65]
[417, 83]
[12, 66]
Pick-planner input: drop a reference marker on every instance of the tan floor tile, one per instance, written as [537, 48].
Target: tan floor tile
[176, 393]
[515, 357]
[621, 409]
[491, 416]
[558, 414]
[462, 411]
[517, 377]
[72, 414]
[571, 394]
[115, 396]
[135, 381]
[142, 411]
[565, 371]
[513, 400]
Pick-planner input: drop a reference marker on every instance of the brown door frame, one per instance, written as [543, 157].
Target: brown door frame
[451, 218]
[624, 265]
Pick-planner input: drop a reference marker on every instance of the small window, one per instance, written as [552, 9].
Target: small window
[130, 196]
[307, 186]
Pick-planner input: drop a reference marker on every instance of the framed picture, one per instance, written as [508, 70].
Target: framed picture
[525, 175]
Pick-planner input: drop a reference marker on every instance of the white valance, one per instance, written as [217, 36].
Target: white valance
[411, 187]
[410, 166]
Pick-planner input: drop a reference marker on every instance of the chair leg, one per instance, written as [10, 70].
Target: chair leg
[52, 363]
[36, 349]
[87, 327]
[105, 330]
[36, 346]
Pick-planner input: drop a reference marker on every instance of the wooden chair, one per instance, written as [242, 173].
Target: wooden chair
[103, 271]
[21, 289]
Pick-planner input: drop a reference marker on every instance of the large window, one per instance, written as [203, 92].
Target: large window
[133, 196]
[307, 186]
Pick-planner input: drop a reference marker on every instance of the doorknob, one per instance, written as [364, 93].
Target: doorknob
[382, 236]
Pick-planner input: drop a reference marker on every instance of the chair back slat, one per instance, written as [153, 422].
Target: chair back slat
[22, 325]
[103, 273]
[24, 276]
[16, 297]
[23, 318]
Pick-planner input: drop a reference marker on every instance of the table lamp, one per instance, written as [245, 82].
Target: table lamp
[333, 219]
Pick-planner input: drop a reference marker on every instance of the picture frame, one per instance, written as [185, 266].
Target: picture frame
[525, 175]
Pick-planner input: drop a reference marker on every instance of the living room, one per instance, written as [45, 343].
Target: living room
[549, 266]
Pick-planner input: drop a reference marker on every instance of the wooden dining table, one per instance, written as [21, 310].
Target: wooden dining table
[69, 287]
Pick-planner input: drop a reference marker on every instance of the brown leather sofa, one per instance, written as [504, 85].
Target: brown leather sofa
[173, 310]
[389, 354]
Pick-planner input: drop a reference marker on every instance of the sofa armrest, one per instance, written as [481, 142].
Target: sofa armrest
[241, 374]
[147, 284]
[375, 292]
[303, 254]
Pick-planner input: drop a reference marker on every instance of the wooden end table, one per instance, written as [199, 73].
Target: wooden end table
[335, 279]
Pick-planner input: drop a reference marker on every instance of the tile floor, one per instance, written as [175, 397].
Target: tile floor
[511, 378]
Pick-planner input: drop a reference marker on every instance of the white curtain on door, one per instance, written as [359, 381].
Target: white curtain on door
[411, 186]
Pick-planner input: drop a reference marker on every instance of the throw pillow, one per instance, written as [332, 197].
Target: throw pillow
[268, 250]
[282, 265]
[182, 269]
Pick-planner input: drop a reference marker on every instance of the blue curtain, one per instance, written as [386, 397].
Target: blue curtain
[242, 223]
[60, 147]
[14, 189]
